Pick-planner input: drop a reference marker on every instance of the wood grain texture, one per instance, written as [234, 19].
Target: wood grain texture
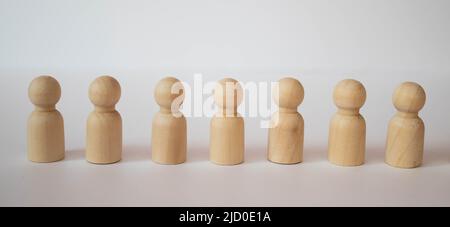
[347, 135]
[286, 135]
[169, 136]
[45, 132]
[104, 124]
[227, 143]
[406, 131]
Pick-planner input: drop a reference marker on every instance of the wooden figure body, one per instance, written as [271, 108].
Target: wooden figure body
[227, 126]
[347, 135]
[285, 144]
[405, 139]
[104, 124]
[169, 138]
[45, 124]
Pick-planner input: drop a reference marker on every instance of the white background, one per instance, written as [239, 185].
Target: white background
[379, 42]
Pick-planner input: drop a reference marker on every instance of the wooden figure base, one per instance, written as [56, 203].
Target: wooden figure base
[104, 138]
[347, 140]
[227, 140]
[286, 139]
[404, 148]
[169, 143]
[45, 137]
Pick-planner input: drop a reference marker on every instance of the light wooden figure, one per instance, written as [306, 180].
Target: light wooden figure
[287, 125]
[347, 136]
[227, 126]
[405, 139]
[104, 124]
[169, 139]
[45, 124]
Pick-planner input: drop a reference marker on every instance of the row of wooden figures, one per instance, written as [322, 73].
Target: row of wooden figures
[347, 135]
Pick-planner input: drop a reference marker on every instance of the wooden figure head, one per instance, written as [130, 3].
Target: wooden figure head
[409, 97]
[289, 93]
[169, 94]
[349, 94]
[228, 95]
[104, 92]
[44, 92]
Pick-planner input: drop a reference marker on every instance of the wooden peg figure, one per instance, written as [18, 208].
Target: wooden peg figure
[405, 139]
[347, 136]
[169, 140]
[227, 126]
[286, 132]
[45, 124]
[104, 124]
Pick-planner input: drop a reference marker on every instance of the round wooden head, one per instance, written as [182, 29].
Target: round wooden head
[44, 91]
[104, 92]
[349, 94]
[409, 97]
[289, 93]
[167, 91]
[228, 94]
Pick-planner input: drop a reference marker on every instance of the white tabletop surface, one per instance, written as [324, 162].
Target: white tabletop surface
[380, 43]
